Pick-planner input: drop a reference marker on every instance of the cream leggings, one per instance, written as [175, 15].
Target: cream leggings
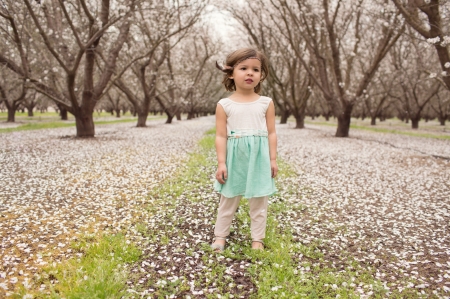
[258, 216]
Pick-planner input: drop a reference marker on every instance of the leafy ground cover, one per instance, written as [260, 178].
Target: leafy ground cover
[429, 129]
[361, 217]
[51, 120]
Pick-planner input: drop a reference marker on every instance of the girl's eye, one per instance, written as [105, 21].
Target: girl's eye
[256, 70]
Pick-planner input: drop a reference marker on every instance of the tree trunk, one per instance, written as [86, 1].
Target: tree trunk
[142, 120]
[85, 125]
[191, 115]
[373, 121]
[118, 113]
[300, 122]
[30, 112]
[63, 113]
[11, 114]
[415, 123]
[284, 116]
[169, 118]
[442, 121]
[178, 114]
[344, 119]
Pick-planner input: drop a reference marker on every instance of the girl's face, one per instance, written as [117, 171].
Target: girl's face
[247, 74]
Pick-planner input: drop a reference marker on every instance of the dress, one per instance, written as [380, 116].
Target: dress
[248, 158]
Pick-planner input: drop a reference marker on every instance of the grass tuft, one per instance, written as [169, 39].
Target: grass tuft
[99, 272]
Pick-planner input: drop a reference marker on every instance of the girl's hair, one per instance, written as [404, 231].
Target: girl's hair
[237, 57]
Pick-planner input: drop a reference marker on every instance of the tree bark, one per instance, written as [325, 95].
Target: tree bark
[373, 121]
[85, 125]
[344, 119]
[142, 120]
[117, 113]
[63, 112]
[12, 114]
[178, 114]
[300, 121]
[169, 118]
[284, 116]
[415, 123]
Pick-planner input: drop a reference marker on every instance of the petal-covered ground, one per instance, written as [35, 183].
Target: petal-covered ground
[54, 187]
[381, 199]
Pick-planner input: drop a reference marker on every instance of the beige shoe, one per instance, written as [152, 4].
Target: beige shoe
[258, 244]
[218, 247]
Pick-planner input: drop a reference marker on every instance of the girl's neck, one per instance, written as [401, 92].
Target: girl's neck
[244, 97]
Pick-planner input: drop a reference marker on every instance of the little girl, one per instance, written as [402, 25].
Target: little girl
[246, 145]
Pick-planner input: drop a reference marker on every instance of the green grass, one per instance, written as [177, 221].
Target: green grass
[394, 126]
[52, 125]
[409, 133]
[100, 272]
[38, 116]
[278, 271]
[61, 124]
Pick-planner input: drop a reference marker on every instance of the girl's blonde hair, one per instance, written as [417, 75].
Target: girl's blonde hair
[237, 57]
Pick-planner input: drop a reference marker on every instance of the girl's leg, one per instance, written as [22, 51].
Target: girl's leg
[258, 216]
[227, 208]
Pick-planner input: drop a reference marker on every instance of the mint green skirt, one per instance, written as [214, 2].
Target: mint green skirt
[248, 167]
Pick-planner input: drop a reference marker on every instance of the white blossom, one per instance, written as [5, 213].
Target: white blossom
[434, 40]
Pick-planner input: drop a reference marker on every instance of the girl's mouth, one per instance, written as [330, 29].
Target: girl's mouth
[249, 81]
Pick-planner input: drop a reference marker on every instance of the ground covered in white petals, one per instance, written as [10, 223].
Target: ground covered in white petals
[374, 203]
[54, 187]
[382, 199]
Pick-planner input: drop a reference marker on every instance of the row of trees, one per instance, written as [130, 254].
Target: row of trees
[360, 58]
[353, 58]
[78, 53]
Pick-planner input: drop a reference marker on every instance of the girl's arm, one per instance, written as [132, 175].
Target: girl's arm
[221, 144]
[270, 120]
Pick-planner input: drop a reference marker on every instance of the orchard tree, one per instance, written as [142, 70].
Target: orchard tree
[191, 74]
[377, 99]
[31, 101]
[71, 34]
[345, 44]
[288, 82]
[416, 86]
[14, 53]
[159, 27]
[441, 106]
[431, 19]
[12, 94]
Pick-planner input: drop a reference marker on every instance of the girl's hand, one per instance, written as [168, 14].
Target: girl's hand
[274, 168]
[221, 174]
